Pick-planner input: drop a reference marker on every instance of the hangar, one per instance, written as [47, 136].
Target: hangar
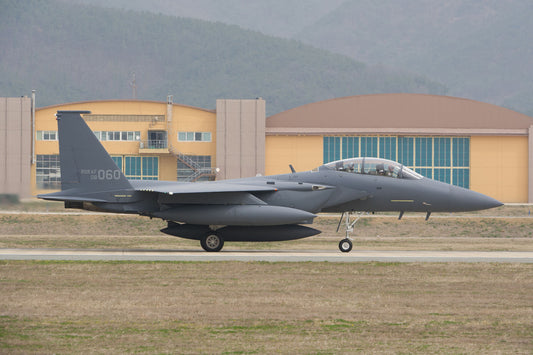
[467, 143]
[463, 142]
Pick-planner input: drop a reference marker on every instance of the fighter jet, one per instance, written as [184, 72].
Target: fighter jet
[254, 209]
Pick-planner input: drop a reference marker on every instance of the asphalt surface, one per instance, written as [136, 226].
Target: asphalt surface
[268, 256]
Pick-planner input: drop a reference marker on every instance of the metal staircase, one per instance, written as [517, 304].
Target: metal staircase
[198, 171]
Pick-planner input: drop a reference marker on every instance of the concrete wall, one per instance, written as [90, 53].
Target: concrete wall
[240, 138]
[15, 146]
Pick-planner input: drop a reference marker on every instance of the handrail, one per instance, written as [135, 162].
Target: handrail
[154, 144]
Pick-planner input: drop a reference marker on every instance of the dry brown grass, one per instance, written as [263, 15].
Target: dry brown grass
[371, 233]
[233, 307]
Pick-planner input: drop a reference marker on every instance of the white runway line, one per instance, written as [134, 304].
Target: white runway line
[270, 256]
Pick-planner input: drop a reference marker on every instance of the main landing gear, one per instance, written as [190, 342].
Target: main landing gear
[346, 244]
[212, 242]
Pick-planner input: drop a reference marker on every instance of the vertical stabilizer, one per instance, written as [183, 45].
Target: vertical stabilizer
[85, 164]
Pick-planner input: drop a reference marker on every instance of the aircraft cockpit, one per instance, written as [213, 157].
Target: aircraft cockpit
[374, 166]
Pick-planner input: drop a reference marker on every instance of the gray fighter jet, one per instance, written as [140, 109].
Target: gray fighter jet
[262, 208]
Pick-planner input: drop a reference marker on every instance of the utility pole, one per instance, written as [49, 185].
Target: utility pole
[133, 85]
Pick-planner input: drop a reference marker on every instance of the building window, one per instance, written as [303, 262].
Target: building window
[461, 152]
[387, 148]
[461, 177]
[194, 136]
[47, 172]
[332, 149]
[194, 168]
[406, 152]
[423, 152]
[350, 146]
[138, 168]
[119, 161]
[369, 147]
[47, 135]
[157, 140]
[126, 136]
[445, 159]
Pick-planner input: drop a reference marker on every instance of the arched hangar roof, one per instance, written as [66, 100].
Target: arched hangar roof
[399, 114]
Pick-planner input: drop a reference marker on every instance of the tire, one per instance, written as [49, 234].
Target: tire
[345, 245]
[212, 242]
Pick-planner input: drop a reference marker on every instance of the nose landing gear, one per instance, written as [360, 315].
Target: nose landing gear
[346, 244]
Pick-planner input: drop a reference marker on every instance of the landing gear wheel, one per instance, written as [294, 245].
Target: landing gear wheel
[212, 242]
[345, 245]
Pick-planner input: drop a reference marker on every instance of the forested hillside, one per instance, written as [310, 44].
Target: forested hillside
[74, 52]
[280, 18]
[479, 49]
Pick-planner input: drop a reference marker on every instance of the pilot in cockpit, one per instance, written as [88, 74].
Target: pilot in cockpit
[380, 169]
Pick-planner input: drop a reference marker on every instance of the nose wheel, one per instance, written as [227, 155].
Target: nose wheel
[346, 244]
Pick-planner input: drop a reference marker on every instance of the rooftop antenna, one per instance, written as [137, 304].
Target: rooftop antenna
[133, 84]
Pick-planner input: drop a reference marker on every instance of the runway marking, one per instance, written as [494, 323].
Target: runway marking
[269, 256]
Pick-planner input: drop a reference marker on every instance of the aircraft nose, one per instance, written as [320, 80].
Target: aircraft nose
[468, 200]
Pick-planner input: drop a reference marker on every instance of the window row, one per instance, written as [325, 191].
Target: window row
[445, 159]
[48, 172]
[118, 135]
[194, 136]
[129, 136]
[138, 168]
[47, 135]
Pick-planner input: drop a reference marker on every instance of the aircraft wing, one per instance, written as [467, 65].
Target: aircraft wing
[172, 188]
[208, 193]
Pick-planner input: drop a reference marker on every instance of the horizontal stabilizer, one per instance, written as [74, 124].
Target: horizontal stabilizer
[57, 196]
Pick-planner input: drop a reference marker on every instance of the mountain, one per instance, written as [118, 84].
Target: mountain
[71, 52]
[280, 18]
[479, 49]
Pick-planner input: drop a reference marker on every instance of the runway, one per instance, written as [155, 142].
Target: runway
[267, 256]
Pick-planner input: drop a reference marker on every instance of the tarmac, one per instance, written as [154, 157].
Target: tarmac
[267, 256]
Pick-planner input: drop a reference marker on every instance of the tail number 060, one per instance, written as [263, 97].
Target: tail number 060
[108, 174]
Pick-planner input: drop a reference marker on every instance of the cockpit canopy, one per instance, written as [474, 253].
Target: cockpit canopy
[373, 166]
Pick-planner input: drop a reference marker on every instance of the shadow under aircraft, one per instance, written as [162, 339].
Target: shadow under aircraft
[255, 209]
